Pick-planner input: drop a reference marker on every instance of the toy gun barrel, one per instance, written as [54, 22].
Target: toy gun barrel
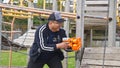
[74, 43]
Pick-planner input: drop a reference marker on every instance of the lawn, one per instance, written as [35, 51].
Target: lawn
[19, 59]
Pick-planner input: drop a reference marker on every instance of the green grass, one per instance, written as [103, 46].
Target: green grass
[19, 59]
[71, 61]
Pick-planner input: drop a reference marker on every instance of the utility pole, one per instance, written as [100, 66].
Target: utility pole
[0, 27]
[112, 24]
[30, 20]
[30, 24]
[55, 5]
[66, 24]
[80, 29]
[66, 27]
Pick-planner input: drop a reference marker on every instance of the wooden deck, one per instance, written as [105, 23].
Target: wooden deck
[93, 57]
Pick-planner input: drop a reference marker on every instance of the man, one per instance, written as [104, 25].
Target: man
[47, 44]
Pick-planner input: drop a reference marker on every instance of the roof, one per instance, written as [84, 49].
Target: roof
[7, 42]
[26, 39]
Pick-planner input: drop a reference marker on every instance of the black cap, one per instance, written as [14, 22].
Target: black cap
[55, 16]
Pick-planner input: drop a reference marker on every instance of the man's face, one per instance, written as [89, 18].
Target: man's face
[56, 25]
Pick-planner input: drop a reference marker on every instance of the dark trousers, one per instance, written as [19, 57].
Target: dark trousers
[54, 62]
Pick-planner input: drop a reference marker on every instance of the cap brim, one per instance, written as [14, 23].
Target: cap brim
[60, 20]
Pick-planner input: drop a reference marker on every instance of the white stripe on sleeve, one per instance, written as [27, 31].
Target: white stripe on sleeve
[42, 40]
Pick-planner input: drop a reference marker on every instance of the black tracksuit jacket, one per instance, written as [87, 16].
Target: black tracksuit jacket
[44, 45]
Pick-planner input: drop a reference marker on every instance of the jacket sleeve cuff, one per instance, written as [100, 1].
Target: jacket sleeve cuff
[55, 48]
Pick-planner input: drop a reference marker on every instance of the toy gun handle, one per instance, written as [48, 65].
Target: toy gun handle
[74, 43]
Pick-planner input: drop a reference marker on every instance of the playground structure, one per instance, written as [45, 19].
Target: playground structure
[99, 20]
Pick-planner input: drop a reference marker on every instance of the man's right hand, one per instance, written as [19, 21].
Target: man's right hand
[62, 45]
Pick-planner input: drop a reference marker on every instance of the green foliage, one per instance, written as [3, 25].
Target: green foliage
[39, 20]
[36, 21]
[18, 24]
[40, 3]
[21, 21]
[7, 19]
[21, 24]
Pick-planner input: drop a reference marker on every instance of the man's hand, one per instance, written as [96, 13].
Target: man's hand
[62, 45]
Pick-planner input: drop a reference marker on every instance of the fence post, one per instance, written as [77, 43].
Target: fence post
[0, 28]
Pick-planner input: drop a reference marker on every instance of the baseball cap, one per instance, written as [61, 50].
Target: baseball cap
[55, 16]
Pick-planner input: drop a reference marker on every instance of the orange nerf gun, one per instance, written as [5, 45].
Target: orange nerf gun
[74, 43]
